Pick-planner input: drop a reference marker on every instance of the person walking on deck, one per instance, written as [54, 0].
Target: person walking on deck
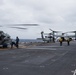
[17, 42]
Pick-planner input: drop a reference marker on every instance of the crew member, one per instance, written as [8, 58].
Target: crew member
[60, 40]
[12, 43]
[68, 41]
[17, 42]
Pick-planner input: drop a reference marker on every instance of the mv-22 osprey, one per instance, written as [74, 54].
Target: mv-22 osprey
[5, 38]
[53, 35]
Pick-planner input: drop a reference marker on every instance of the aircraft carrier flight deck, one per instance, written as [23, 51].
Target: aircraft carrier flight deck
[51, 59]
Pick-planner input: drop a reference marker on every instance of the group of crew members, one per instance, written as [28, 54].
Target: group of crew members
[61, 40]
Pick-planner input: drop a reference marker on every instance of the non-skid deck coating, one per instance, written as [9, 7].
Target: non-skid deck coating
[39, 60]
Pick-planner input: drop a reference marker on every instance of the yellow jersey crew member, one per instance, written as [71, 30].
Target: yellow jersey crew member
[68, 41]
[60, 40]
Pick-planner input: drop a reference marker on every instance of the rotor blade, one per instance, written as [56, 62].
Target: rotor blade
[47, 33]
[55, 31]
[23, 24]
[51, 29]
[19, 28]
[71, 32]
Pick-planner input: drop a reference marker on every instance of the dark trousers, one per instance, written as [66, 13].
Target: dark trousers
[68, 43]
[12, 43]
[17, 44]
[60, 43]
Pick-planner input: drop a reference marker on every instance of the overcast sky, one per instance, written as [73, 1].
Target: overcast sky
[55, 14]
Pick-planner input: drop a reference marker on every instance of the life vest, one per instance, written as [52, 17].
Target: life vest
[60, 40]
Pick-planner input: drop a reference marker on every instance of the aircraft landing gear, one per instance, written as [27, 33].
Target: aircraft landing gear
[5, 45]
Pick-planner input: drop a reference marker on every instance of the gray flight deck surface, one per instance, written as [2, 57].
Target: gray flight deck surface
[40, 60]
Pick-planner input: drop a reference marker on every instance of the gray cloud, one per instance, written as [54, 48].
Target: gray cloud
[56, 14]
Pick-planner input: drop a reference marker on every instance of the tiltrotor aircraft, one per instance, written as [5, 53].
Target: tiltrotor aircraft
[5, 39]
[54, 35]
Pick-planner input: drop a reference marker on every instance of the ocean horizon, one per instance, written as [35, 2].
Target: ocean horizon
[30, 40]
